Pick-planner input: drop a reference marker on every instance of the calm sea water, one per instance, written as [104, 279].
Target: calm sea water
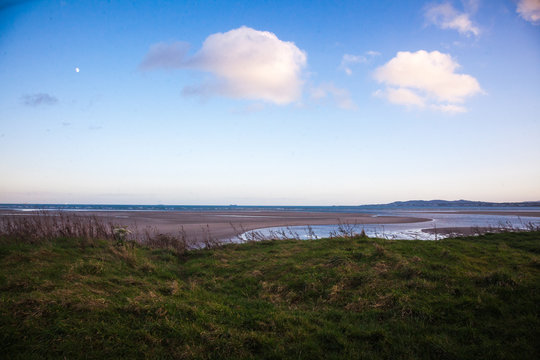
[413, 230]
[393, 231]
[375, 209]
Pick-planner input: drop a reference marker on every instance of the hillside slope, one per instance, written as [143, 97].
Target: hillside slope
[464, 298]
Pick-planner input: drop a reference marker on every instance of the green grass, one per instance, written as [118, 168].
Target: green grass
[464, 298]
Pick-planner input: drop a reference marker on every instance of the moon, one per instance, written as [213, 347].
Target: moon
[77, 69]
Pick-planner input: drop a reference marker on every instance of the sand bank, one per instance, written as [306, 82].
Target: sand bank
[227, 224]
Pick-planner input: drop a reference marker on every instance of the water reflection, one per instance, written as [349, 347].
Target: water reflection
[409, 231]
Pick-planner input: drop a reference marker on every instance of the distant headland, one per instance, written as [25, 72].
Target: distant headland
[457, 203]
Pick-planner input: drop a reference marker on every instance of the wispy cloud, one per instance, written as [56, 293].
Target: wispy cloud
[449, 108]
[426, 79]
[471, 6]
[446, 16]
[246, 64]
[529, 10]
[38, 99]
[349, 60]
[341, 97]
[163, 56]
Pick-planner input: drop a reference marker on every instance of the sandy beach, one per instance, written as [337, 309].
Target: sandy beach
[227, 224]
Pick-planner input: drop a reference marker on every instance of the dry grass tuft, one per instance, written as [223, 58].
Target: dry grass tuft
[44, 226]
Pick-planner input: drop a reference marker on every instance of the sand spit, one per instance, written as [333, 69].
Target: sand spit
[227, 224]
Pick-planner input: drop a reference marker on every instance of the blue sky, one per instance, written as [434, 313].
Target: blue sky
[270, 102]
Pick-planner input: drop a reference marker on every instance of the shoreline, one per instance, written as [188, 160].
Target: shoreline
[527, 213]
[223, 225]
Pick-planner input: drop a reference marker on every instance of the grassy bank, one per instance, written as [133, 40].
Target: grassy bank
[335, 298]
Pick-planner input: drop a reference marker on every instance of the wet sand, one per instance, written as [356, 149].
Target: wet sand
[473, 230]
[227, 224]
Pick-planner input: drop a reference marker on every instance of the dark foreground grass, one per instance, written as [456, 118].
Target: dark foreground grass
[465, 298]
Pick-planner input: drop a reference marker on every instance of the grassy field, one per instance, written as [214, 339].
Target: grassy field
[465, 298]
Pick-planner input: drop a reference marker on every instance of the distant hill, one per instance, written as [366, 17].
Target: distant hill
[458, 203]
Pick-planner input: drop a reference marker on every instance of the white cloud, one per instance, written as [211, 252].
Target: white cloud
[349, 60]
[246, 63]
[402, 96]
[342, 97]
[446, 16]
[529, 10]
[426, 78]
